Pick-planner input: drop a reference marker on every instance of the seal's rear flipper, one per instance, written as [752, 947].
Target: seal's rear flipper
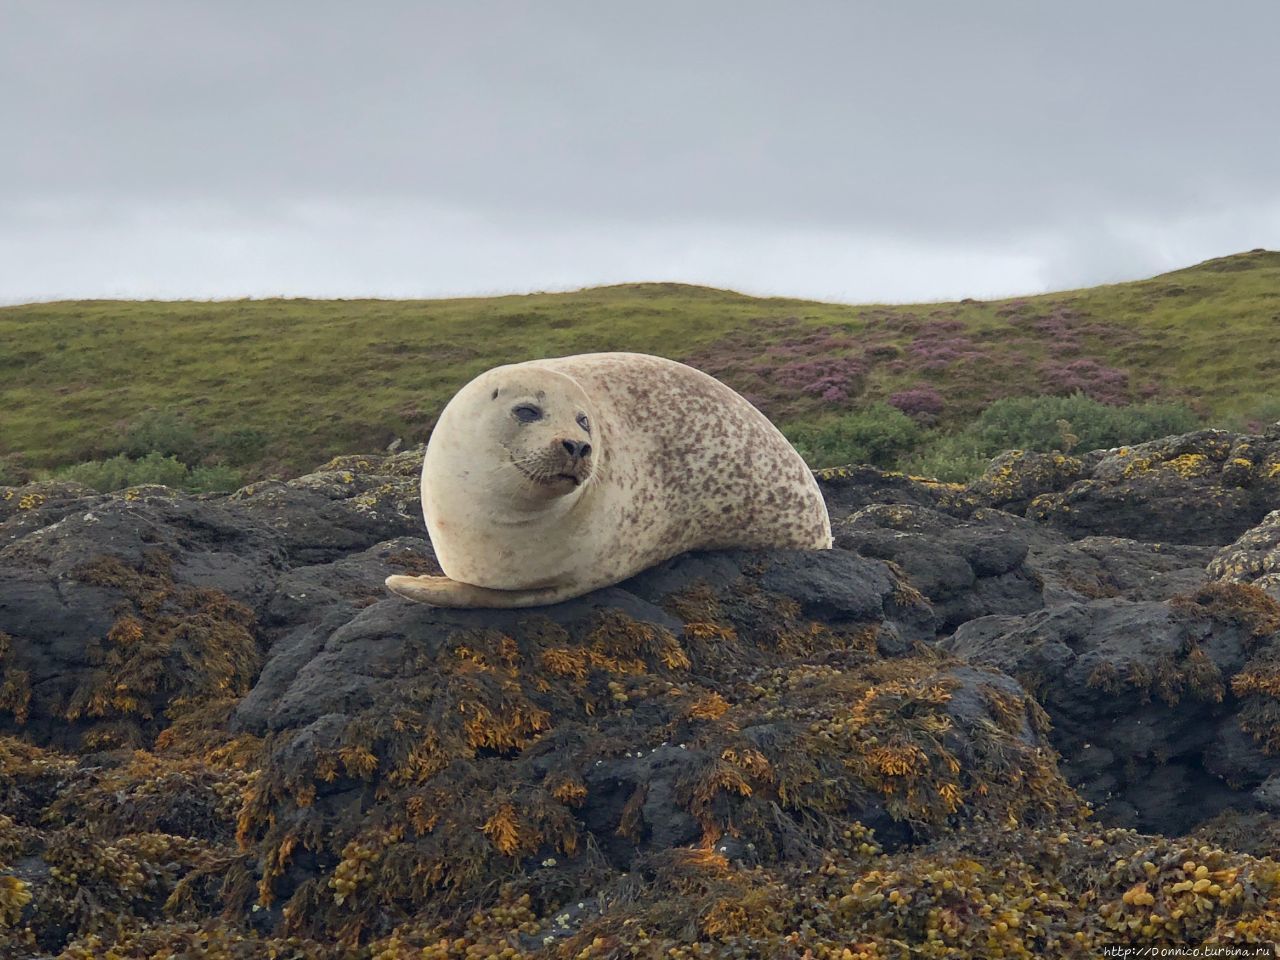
[443, 592]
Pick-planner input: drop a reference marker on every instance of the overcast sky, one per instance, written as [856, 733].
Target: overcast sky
[896, 150]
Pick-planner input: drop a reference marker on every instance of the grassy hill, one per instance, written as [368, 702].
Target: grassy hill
[276, 386]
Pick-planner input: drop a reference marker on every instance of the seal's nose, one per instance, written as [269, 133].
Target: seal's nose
[576, 449]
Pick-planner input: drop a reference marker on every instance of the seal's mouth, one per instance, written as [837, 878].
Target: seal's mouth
[550, 478]
[556, 479]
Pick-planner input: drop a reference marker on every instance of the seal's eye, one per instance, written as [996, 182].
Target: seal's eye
[527, 413]
[584, 423]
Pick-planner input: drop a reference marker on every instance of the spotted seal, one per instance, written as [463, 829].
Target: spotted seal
[548, 479]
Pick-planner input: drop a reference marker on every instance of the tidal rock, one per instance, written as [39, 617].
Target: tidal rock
[119, 608]
[1253, 558]
[1160, 709]
[217, 729]
[771, 697]
[347, 505]
[964, 568]
[1200, 488]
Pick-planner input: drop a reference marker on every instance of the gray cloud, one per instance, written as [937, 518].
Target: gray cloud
[851, 150]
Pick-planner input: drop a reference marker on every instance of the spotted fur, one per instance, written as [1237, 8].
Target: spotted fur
[679, 462]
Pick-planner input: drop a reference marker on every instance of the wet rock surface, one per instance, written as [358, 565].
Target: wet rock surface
[219, 733]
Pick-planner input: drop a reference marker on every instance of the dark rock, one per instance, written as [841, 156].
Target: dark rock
[829, 585]
[1140, 695]
[656, 710]
[350, 504]
[1267, 794]
[111, 612]
[964, 568]
[209, 545]
[1095, 568]
[1236, 759]
[654, 776]
[35, 505]
[848, 489]
[304, 594]
[203, 666]
[1201, 488]
[992, 563]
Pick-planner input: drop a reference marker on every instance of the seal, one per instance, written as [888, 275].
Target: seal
[548, 479]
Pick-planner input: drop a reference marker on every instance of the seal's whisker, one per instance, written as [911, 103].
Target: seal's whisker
[518, 462]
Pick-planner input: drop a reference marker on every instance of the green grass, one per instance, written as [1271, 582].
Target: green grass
[277, 386]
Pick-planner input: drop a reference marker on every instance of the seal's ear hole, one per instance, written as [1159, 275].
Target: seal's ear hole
[494, 395]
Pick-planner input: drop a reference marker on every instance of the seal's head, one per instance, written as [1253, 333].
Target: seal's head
[535, 431]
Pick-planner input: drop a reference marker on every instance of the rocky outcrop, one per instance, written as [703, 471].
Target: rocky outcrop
[987, 562]
[349, 504]
[965, 568]
[113, 610]
[1150, 701]
[849, 489]
[218, 731]
[1253, 558]
[1094, 568]
[1202, 488]
[717, 698]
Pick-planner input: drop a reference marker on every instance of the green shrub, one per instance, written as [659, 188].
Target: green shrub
[1043, 424]
[219, 479]
[953, 458]
[102, 475]
[121, 471]
[1259, 415]
[9, 475]
[877, 435]
[1058, 423]
[156, 468]
[241, 445]
[164, 433]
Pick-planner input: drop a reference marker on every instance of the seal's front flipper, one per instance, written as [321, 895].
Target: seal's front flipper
[443, 592]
